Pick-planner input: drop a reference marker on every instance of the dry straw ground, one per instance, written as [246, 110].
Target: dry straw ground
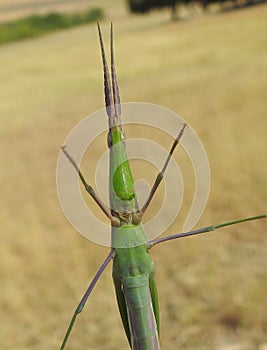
[210, 69]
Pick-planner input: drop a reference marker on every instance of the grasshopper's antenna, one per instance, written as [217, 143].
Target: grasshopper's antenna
[111, 89]
[107, 86]
[115, 88]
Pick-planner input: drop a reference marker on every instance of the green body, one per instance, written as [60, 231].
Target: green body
[133, 269]
[133, 274]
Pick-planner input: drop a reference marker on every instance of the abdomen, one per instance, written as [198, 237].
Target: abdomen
[143, 327]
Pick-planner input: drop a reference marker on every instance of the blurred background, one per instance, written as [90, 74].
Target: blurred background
[210, 66]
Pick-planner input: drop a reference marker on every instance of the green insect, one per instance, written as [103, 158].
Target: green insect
[133, 269]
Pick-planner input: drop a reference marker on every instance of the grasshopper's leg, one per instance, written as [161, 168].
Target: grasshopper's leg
[161, 173]
[203, 230]
[89, 188]
[155, 301]
[86, 295]
[122, 307]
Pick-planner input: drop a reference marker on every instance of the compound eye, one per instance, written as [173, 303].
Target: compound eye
[123, 139]
[109, 139]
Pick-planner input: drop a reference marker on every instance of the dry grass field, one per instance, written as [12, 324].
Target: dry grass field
[212, 70]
